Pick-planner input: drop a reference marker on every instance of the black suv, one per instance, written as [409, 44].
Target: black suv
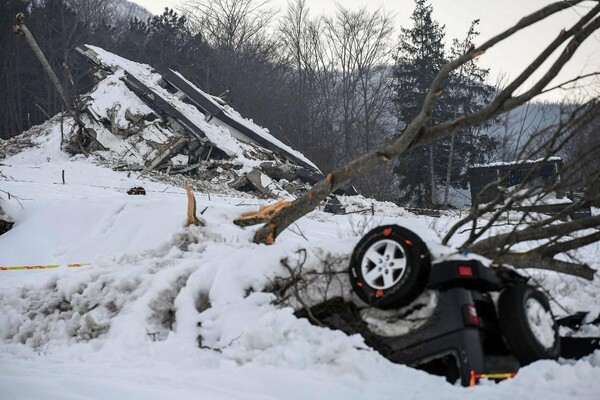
[488, 321]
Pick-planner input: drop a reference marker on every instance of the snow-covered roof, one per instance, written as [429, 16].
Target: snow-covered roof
[518, 162]
[222, 126]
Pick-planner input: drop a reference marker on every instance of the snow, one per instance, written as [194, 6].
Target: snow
[537, 199]
[167, 311]
[112, 94]
[518, 162]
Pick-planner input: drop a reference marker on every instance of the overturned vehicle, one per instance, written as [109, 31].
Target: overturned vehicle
[484, 320]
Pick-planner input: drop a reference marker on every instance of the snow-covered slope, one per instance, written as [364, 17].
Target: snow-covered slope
[165, 311]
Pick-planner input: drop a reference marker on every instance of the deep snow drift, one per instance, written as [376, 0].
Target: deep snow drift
[164, 311]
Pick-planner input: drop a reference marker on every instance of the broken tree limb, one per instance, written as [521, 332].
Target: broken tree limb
[20, 29]
[534, 260]
[418, 133]
[561, 247]
[192, 219]
[262, 215]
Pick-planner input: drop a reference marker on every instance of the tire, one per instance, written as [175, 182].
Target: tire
[389, 267]
[528, 325]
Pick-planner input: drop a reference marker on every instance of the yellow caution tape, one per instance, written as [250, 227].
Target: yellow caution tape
[23, 267]
[475, 377]
[507, 375]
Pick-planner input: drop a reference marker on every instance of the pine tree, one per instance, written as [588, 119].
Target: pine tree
[466, 92]
[420, 56]
[424, 170]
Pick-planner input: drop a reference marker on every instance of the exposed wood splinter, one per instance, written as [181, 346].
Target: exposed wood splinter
[330, 179]
[271, 236]
[262, 215]
[191, 208]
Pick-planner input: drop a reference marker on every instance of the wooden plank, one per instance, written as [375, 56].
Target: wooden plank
[186, 169]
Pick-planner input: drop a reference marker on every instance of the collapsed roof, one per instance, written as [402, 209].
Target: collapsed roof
[153, 118]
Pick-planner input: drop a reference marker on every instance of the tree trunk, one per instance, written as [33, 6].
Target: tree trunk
[432, 175]
[449, 171]
[38, 52]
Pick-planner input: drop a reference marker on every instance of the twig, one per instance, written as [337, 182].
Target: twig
[295, 279]
[219, 349]
[62, 131]
[42, 110]
[299, 233]
[560, 86]
[15, 197]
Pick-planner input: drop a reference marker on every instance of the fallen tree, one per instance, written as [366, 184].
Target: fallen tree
[422, 131]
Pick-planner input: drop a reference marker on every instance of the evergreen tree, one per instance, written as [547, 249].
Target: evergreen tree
[466, 92]
[420, 57]
[168, 35]
[424, 170]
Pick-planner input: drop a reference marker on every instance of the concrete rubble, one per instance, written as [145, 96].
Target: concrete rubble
[150, 119]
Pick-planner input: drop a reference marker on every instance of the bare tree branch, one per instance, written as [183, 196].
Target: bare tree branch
[576, 79]
[560, 136]
[504, 102]
[561, 247]
[417, 134]
[533, 260]
[495, 243]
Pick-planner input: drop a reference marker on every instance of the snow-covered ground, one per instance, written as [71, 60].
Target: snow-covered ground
[164, 311]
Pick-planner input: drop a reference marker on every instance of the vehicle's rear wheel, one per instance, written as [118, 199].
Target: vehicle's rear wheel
[527, 324]
[389, 267]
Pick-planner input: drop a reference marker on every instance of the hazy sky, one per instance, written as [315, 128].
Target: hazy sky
[506, 59]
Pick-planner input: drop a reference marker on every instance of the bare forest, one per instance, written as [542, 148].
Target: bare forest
[333, 87]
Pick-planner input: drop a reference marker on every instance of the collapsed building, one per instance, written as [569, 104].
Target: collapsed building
[509, 174]
[492, 182]
[152, 118]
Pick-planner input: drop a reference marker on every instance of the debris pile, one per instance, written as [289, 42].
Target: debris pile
[153, 119]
